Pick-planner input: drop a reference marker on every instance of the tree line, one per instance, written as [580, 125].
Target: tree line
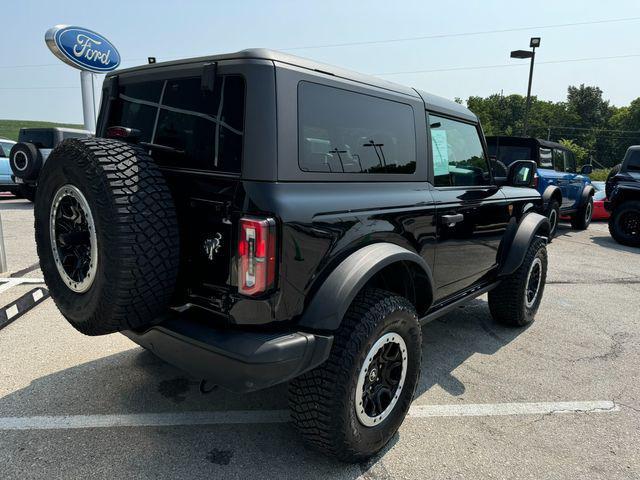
[587, 123]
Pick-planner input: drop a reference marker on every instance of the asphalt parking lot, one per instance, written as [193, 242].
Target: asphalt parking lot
[560, 399]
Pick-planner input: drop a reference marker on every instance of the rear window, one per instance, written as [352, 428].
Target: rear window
[633, 163]
[341, 131]
[40, 138]
[202, 129]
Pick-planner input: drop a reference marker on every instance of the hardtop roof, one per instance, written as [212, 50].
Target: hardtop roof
[433, 102]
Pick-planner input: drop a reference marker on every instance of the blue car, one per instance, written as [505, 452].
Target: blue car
[565, 191]
[7, 183]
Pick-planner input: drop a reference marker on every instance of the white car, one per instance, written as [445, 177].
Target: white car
[6, 176]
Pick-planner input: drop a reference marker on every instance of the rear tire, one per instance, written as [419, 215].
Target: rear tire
[624, 224]
[582, 219]
[515, 301]
[326, 404]
[113, 261]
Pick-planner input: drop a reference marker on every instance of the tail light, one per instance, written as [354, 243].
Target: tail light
[256, 255]
[123, 133]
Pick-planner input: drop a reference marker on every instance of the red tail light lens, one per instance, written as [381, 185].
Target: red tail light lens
[256, 255]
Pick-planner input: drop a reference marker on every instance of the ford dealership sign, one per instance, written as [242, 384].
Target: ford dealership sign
[82, 48]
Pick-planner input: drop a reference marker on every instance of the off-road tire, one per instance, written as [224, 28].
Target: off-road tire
[553, 209]
[136, 230]
[322, 401]
[615, 226]
[580, 220]
[507, 301]
[29, 164]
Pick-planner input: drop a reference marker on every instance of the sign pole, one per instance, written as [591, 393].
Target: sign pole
[88, 107]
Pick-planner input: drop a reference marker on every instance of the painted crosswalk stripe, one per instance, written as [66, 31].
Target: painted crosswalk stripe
[167, 419]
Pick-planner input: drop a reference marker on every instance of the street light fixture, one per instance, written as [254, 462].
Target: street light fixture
[533, 43]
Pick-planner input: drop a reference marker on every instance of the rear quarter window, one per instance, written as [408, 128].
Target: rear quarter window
[341, 131]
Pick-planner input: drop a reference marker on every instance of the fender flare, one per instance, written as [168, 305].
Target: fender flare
[330, 303]
[532, 225]
[587, 191]
[548, 194]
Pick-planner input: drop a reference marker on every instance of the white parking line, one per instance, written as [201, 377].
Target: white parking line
[282, 416]
[10, 282]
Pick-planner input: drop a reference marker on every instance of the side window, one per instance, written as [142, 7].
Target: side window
[458, 157]
[569, 162]
[346, 132]
[545, 158]
[558, 160]
[633, 163]
[2, 154]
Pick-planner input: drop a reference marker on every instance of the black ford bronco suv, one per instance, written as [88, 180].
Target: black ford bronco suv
[256, 218]
[623, 199]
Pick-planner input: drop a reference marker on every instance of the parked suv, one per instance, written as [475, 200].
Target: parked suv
[624, 200]
[565, 192]
[256, 218]
[32, 150]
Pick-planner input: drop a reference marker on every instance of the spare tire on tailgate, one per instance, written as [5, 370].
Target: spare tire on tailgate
[107, 235]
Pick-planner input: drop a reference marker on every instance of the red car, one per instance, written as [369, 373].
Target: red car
[599, 212]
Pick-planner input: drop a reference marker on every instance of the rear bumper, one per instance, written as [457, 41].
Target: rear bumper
[240, 361]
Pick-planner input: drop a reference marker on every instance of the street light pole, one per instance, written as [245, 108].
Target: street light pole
[534, 43]
[528, 106]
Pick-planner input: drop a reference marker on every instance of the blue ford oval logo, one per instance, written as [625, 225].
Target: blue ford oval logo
[82, 48]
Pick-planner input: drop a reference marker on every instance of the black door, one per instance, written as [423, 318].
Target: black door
[471, 212]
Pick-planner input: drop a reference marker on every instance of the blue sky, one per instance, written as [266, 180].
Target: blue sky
[159, 28]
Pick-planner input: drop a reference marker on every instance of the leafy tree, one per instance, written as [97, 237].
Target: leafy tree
[585, 119]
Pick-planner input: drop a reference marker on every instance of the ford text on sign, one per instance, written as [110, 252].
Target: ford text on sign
[82, 48]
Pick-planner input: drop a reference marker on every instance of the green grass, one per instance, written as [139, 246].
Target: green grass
[10, 128]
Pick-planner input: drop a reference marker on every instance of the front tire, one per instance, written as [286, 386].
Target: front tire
[353, 404]
[553, 214]
[624, 224]
[582, 219]
[515, 301]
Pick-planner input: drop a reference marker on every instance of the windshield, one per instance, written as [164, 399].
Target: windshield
[508, 154]
[5, 148]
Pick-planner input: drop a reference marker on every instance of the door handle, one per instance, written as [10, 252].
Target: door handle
[451, 220]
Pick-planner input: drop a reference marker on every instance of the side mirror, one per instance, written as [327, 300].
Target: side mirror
[586, 170]
[521, 173]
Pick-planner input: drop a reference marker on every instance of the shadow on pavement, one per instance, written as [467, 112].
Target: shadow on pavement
[449, 341]
[607, 241]
[135, 381]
